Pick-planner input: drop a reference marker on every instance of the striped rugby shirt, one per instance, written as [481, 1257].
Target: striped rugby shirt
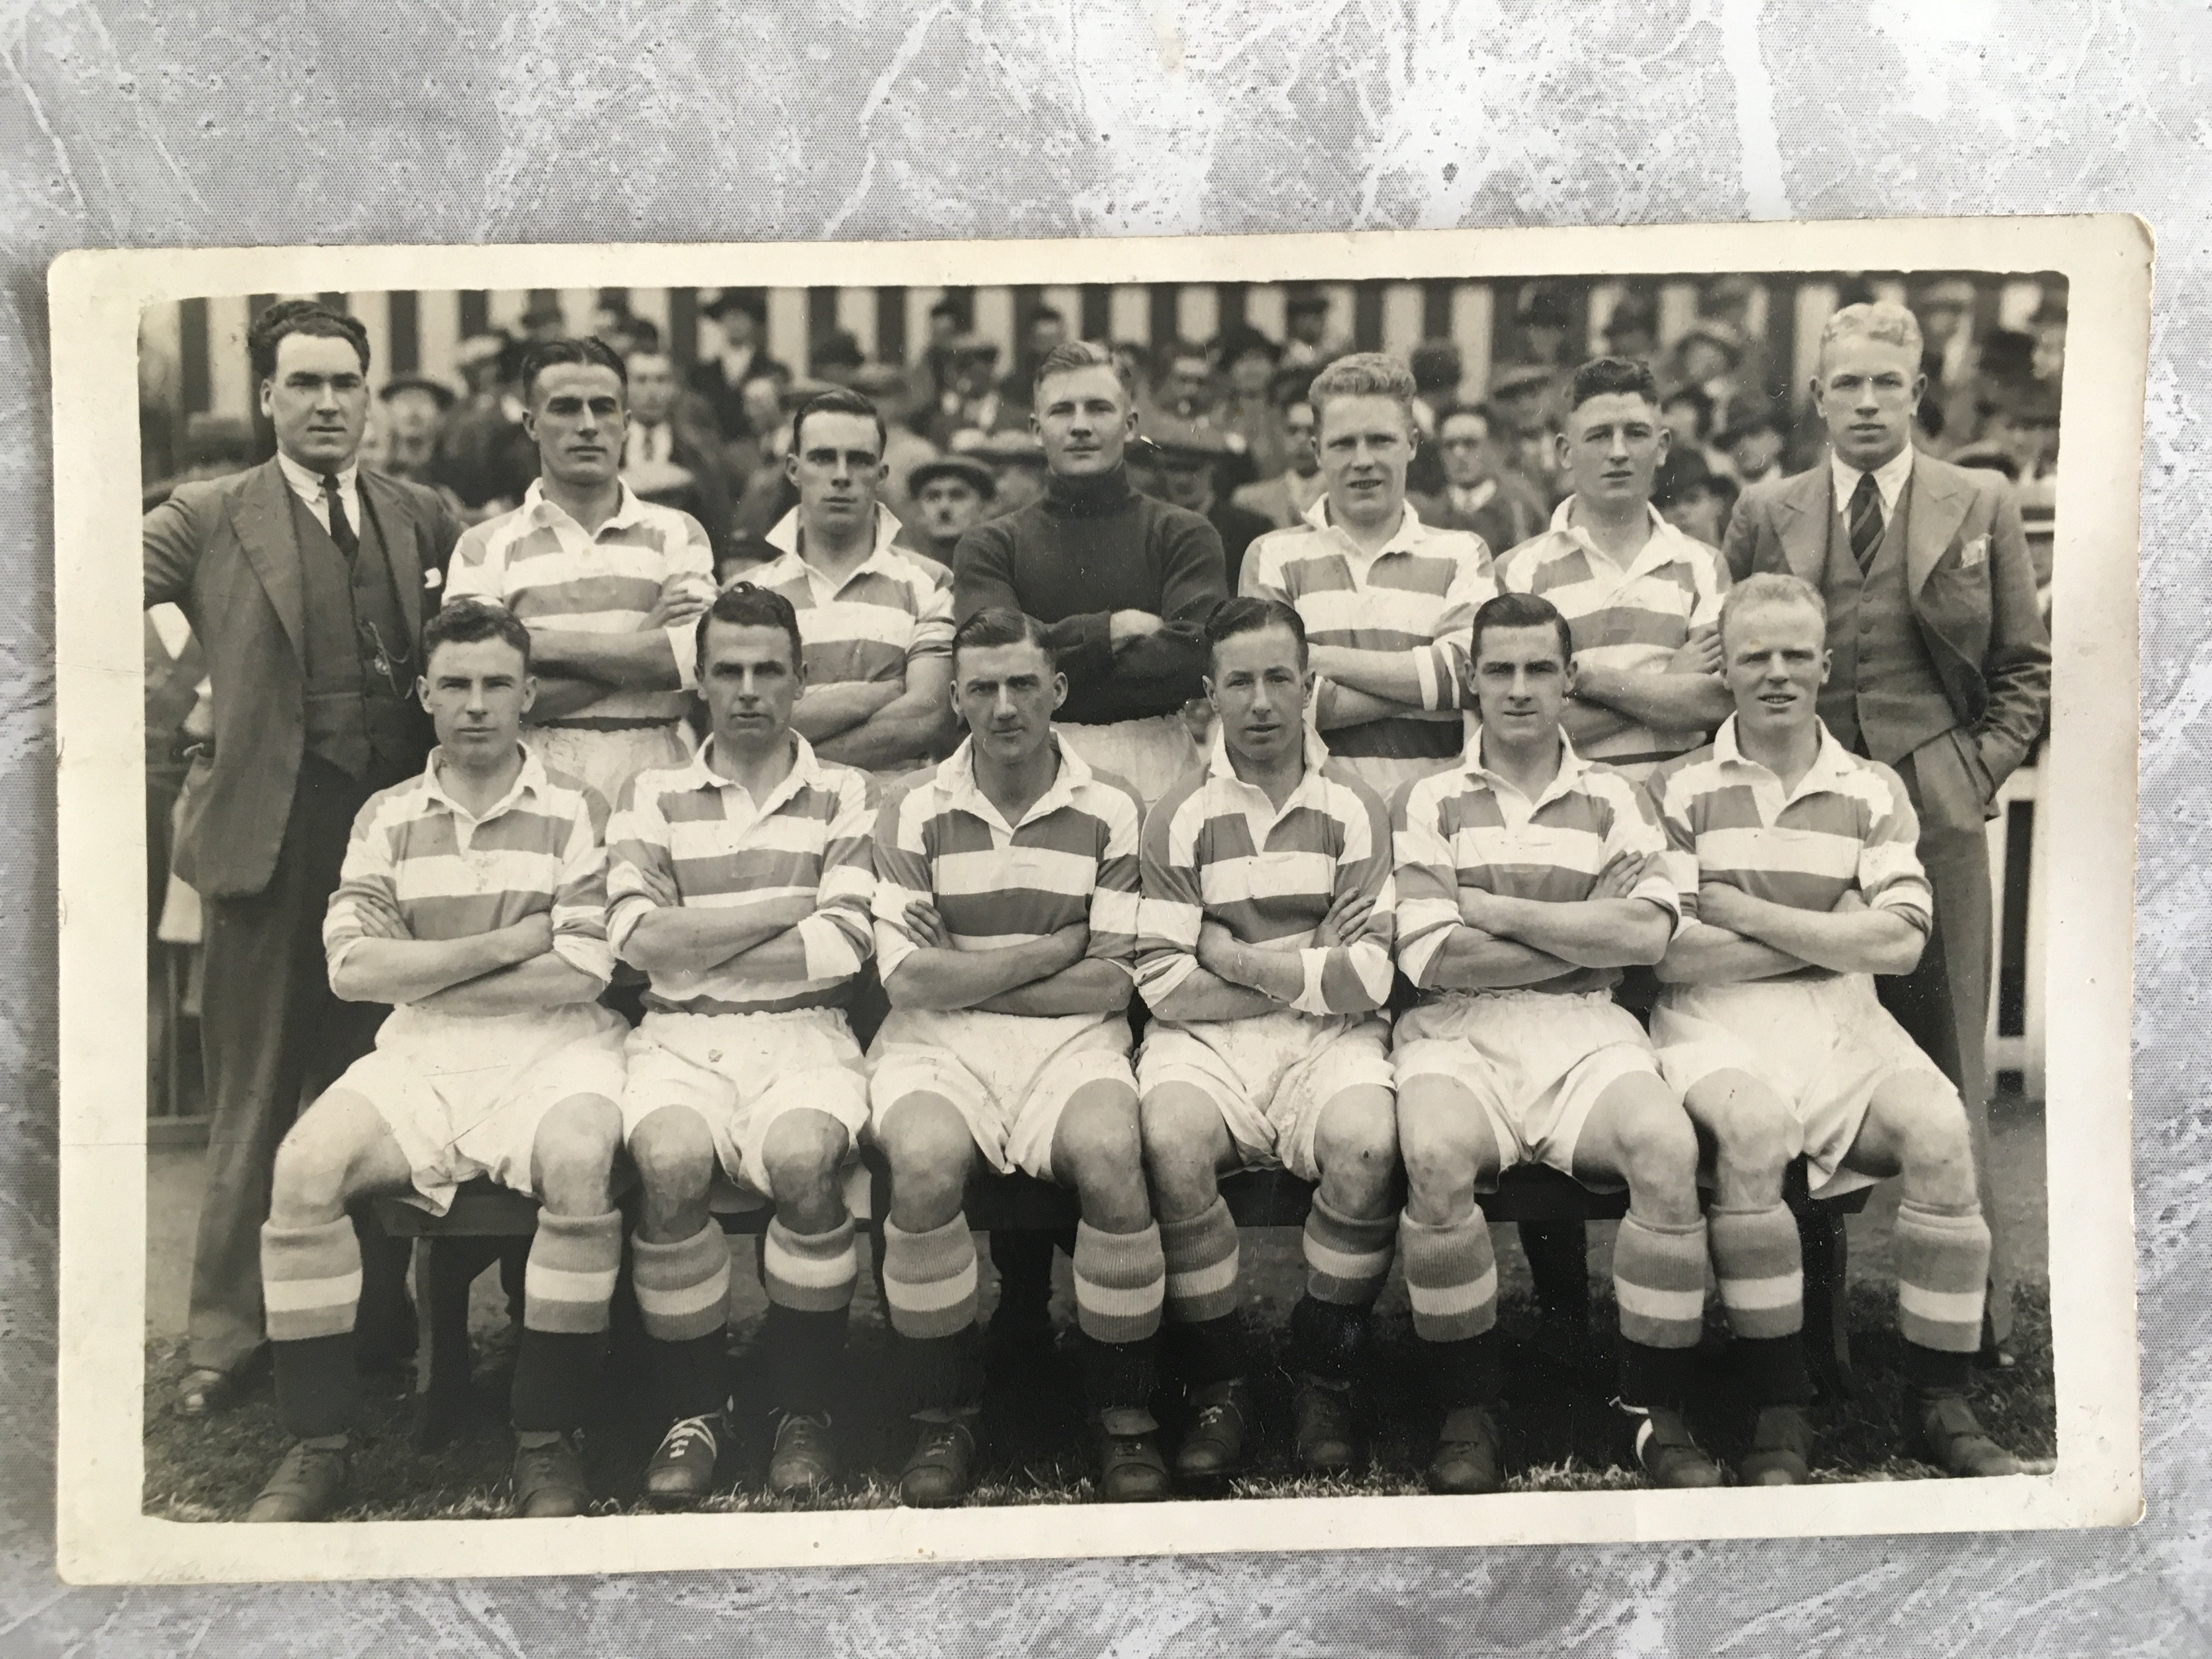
[1072, 857]
[1848, 824]
[417, 854]
[687, 836]
[891, 609]
[1418, 596]
[1470, 828]
[1215, 847]
[1633, 620]
[541, 564]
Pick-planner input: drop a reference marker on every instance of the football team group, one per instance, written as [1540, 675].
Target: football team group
[1390, 861]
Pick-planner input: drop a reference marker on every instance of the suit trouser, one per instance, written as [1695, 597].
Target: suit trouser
[1944, 1003]
[269, 1028]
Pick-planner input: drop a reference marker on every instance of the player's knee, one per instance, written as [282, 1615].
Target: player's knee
[576, 1144]
[309, 1174]
[927, 1144]
[674, 1153]
[1659, 1151]
[1440, 1167]
[1176, 1131]
[1358, 1134]
[1097, 1143]
[1939, 1150]
[801, 1155]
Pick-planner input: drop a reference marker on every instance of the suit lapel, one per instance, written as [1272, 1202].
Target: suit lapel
[262, 516]
[1804, 507]
[1936, 507]
[395, 532]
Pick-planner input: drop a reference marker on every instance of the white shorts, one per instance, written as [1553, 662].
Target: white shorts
[740, 1072]
[608, 759]
[464, 1094]
[1824, 1045]
[1010, 1076]
[1148, 755]
[1270, 1077]
[1536, 1060]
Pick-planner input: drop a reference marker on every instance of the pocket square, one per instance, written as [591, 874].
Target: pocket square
[434, 577]
[1976, 552]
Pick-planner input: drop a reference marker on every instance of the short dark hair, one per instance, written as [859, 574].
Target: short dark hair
[584, 353]
[1248, 613]
[1067, 357]
[1604, 376]
[1519, 610]
[1697, 399]
[469, 621]
[839, 400]
[747, 604]
[1451, 412]
[997, 625]
[300, 317]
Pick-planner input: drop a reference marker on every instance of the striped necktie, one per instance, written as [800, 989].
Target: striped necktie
[1866, 521]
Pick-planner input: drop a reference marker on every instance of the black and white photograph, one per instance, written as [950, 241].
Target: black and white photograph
[1402, 889]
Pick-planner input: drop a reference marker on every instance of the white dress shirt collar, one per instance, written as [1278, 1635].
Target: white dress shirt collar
[1888, 478]
[308, 487]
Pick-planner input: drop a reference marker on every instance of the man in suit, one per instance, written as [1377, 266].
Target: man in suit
[305, 579]
[1287, 498]
[1942, 663]
[741, 317]
[662, 458]
[1479, 494]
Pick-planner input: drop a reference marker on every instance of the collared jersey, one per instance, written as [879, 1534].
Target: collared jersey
[1848, 825]
[1630, 619]
[1071, 858]
[1216, 848]
[418, 855]
[541, 564]
[1416, 596]
[890, 610]
[1469, 827]
[687, 836]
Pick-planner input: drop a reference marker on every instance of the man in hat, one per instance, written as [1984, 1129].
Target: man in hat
[1755, 446]
[974, 408]
[1047, 329]
[1184, 470]
[739, 316]
[484, 457]
[1288, 496]
[1305, 321]
[1633, 329]
[415, 408]
[1249, 410]
[1940, 664]
[1951, 353]
[1707, 356]
[1479, 494]
[952, 496]
[305, 579]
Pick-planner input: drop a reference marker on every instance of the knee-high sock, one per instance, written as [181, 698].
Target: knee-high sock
[567, 1282]
[810, 1289]
[929, 1280]
[1659, 1281]
[1942, 1267]
[311, 1288]
[1451, 1277]
[1120, 1282]
[684, 1299]
[1204, 1300]
[1347, 1257]
[1759, 1263]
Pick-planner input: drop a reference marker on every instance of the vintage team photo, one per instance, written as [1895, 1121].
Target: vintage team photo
[824, 899]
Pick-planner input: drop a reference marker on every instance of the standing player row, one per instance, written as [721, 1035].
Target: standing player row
[1010, 899]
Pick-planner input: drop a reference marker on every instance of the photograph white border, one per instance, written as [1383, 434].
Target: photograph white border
[95, 300]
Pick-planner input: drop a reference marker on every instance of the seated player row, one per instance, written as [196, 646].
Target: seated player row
[1010, 899]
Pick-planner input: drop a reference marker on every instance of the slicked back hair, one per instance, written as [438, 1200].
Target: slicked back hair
[1364, 375]
[588, 352]
[997, 625]
[1519, 610]
[1248, 613]
[300, 317]
[1773, 587]
[839, 400]
[1068, 357]
[469, 621]
[742, 604]
[1603, 377]
[1873, 319]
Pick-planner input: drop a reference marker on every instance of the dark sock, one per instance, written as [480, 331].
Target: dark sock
[1023, 1263]
[804, 1351]
[693, 1374]
[1327, 1340]
[945, 1374]
[1210, 1351]
[1660, 1377]
[1937, 1370]
[1773, 1368]
[1463, 1372]
[1119, 1375]
[318, 1389]
[556, 1378]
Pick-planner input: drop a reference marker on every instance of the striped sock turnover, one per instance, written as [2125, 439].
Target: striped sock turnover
[1759, 1263]
[1942, 1275]
[310, 1279]
[1121, 1281]
[1659, 1281]
[1451, 1277]
[929, 1278]
[1347, 1257]
[683, 1288]
[810, 1272]
[570, 1274]
[1202, 1260]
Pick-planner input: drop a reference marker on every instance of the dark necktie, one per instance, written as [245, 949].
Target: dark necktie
[341, 529]
[1866, 521]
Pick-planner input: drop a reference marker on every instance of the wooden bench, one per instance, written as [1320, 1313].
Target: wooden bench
[452, 1249]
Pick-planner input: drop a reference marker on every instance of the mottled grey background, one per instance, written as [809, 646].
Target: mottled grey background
[133, 122]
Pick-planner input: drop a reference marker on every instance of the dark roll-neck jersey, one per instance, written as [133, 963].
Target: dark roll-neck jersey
[1087, 548]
